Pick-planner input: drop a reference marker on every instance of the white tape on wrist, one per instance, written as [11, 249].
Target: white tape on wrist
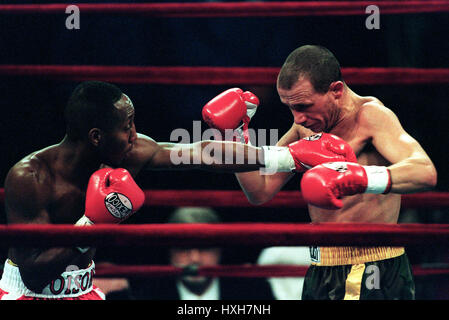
[278, 159]
[83, 221]
[379, 180]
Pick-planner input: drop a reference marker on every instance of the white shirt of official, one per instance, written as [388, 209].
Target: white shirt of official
[211, 293]
[285, 288]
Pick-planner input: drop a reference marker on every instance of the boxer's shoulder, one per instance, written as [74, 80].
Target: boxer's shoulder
[30, 178]
[367, 100]
[369, 106]
[373, 113]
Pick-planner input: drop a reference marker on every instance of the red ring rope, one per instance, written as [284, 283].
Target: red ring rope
[180, 75]
[111, 270]
[236, 9]
[233, 234]
[284, 199]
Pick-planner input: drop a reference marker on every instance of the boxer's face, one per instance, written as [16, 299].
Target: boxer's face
[315, 111]
[119, 142]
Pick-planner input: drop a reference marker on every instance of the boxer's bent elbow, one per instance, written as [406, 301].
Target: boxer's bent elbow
[431, 176]
[426, 178]
[258, 198]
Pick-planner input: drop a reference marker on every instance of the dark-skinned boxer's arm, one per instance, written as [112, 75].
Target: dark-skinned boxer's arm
[220, 156]
[225, 156]
[206, 155]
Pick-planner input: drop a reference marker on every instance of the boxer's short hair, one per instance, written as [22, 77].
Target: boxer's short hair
[91, 105]
[316, 63]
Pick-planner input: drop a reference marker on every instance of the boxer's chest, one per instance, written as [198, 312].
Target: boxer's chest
[68, 204]
[365, 151]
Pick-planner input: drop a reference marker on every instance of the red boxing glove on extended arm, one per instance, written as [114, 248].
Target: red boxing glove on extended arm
[228, 110]
[112, 196]
[324, 185]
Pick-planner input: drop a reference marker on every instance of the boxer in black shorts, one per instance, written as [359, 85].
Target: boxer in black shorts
[389, 163]
[385, 279]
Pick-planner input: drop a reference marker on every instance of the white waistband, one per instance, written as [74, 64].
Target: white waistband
[71, 283]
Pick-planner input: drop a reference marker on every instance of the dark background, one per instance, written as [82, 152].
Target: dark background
[32, 107]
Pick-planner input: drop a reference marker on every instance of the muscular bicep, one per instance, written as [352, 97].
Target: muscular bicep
[389, 137]
[27, 194]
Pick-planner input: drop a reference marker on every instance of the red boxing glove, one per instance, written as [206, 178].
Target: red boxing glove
[112, 196]
[324, 185]
[320, 148]
[229, 109]
[308, 152]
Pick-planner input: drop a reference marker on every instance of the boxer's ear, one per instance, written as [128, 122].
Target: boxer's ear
[336, 89]
[95, 135]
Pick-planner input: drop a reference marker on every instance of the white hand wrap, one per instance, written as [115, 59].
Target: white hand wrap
[379, 180]
[277, 159]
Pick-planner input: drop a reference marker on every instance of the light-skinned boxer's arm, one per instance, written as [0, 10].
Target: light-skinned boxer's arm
[260, 188]
[308, 149]
[225, 112]
[411, 170]
[28, 195]
[233, 106]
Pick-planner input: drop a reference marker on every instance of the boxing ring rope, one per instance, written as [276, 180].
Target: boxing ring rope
[229, 234]
[226, 75]
[181, 75]
[236, 9]
[285, 199]
[224, 235]
[105, 270]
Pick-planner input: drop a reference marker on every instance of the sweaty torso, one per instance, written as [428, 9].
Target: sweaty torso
[65, 201]
[369, 208]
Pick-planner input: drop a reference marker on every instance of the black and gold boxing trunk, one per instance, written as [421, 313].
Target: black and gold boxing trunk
[359, 273]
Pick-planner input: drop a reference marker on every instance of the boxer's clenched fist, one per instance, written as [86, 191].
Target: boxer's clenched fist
[324, 185]
[111, 197]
